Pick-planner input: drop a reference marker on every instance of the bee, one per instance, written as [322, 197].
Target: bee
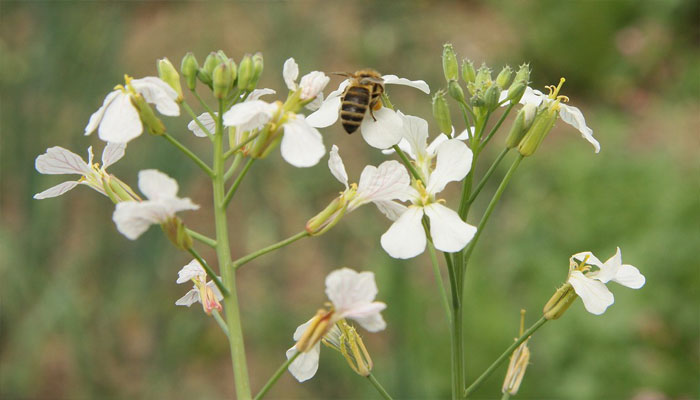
[364, 91]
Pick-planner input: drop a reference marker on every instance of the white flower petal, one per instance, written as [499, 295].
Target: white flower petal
[156, 91]
[96, 117]
[290, 73]
[335, 164]
[348, 289]
[415, 132]
[192, 270]
[532, 96]
[312, 84]
[249, 115]
[121, 121]
[257, 93]
[217, 293]
[590, 258]
[112, 153]
[435, 144]
[389, 181]
[188, 299]
[574, 117]
[302, 144]
[328, 113]
[56, 190]
[304, 367]
[133, 218]
[176, 204]
[405, 238]
[391, 209]
[58, 160]
[595, 295]
[157, 185]
[454, 160]
[383, 133]
[206, 120]
[629, 276]
[372, 322]
[450, 234]
[466, 134]
[395, 80]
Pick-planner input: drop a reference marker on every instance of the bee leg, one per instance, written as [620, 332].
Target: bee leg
[371, 113]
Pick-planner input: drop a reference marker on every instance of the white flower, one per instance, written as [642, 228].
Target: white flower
[118, 120]
[134, 217]
[250, 115]
[203, 292]
[590, 285]
[58, 160]
[406, 237]
[382, 133]
[311, 84]
[207, 121]
[352, 294]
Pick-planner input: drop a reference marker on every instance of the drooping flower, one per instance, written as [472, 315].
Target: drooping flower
[58, 160]
[311, 84]
[118, 119]
[203, 292]
[352, 296]
[382, 133]
[406, 237]
[134, 217]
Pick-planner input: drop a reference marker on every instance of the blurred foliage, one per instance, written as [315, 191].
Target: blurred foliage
[89, 314]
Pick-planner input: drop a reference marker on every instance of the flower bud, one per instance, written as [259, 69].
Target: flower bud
[257, 71]
[468, 72]
[520, 82]
[189, 68]
[483, 77]
[522, 123]
[208, 298]
[450, 67]
[441, 112]
[169, 75]
[491, 97]
[562, 299]
[205, 73]
[222, 80]
[523, 74]
[223, 58]
[327, 218]
[175, 230]
[154, 125]
[455, 91]
[245, 72]
[544, 122]
[504, 77]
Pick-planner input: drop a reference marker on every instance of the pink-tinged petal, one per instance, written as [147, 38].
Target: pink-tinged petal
[454, 161]
[395, 80]
[450, 234]
[391, 209]
[389, 181]
[206, 120]
[192, 270]
[574, 117]
[112, 153]
[290, 73]
[335, 164]
[312, 84]
[304, 367]
[415, 132]
[96, 117]
[405, 238]
[188, 299]
[595, 295]
[157, 185]
[121, 121]
[328, 112]
[385, 132]
[630, 276]
[217, 293]
[133, 218]
[56, 190]
[348, 289]
[156, 91]
[257, 93]
[302, 145]
[58, 160]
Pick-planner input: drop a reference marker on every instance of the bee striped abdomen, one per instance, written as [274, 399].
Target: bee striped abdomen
[353, 107]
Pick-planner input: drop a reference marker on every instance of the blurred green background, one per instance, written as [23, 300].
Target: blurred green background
[88, 314]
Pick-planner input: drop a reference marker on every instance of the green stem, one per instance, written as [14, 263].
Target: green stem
[202, 238]
[236, 183]
[234, 166]
[210, 272]
[505, 396]
[407, 162]
[495, 127]
[504, 356]
[196, 120]
[204, 104]
[466, 112]
[223, 253]
[245, 259]
[201, 164]
[457, 353]
[220, 321]
[438, 279]
[276, 376]
[487, 175]
[240, 145]
[379, 387]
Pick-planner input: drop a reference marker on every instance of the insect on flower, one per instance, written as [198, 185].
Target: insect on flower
[363, 92]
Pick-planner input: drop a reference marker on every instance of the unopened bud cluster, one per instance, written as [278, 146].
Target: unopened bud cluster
[221, 74]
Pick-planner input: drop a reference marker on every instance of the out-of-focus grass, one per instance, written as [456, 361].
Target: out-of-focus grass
[89, 314]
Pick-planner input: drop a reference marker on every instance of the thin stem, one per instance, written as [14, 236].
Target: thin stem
[487, 175]
[240, 145]
[495, 127]
[457, 353]
[466, 112]
[505, 396]
[245, 259]
[276, 376]
[201, 164]
[237, 182]
[504, 356]
[379, 387]
[234, 165]
[220, 320]
[204, 104]
[196, 120]
[407, 162]
[438, 279]
[210, 272]
[202, 238]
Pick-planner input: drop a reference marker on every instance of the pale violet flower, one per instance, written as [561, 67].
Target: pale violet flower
[590, 284]
[406, 237]
[134, 217]
[118, 120]
[203, 292]
[382, 133]
[352, 295]
[311, 84]
[58, 160]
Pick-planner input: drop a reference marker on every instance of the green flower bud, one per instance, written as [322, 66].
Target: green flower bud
[441, 112]
[450, 67]
[189, 69]
[523, 74]
[522, 123]
[562, 299]
[175, 230]
[148, 117]
[468, 72]
[483, 77]
[246, 70]
[504, 77]
[234, 70]
[223, 58]
[257, 71]
[222, 80]
[455, 91]
[491, 97]
[169, 75]
[544, 122]
[516, 91]
[205, 73]
[326, 219]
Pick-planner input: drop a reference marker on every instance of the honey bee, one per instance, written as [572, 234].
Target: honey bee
[364, 91]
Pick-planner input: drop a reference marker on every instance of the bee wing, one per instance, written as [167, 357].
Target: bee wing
[369, 80]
